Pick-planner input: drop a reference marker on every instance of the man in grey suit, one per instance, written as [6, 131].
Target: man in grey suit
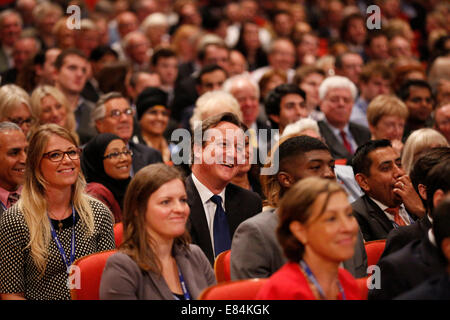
[337, 95]
[255, 251]
[114, 114]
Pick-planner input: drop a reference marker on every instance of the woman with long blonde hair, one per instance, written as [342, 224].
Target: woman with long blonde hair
[54, 223]
[49, 105]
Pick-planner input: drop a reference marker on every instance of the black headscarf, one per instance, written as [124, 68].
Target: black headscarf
[93, 169]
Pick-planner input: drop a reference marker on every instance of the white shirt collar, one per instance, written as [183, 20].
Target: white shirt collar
[431, 237]
[205, 193]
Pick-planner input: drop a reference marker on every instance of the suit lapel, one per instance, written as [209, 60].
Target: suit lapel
[198, 225]
[333, 142]
[359, 136]
[376, 213]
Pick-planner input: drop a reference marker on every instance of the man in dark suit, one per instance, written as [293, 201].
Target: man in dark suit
[256, 252]
[13, 145]
[215, 159]
[389, 199]
[420, 260]
[71, 70]
[437, 287]
[113, 114]
[398, 238]
[337, 95]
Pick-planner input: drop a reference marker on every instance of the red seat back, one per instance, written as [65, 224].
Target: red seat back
[233, 290]
[374, 249]
[118, 233]
[91, 269]
[222, 266]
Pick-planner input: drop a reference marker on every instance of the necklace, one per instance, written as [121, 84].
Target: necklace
[60, 221]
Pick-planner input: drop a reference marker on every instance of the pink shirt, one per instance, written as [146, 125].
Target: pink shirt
[4, 194]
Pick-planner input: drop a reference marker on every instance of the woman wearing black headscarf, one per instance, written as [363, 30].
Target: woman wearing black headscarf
[106, 163]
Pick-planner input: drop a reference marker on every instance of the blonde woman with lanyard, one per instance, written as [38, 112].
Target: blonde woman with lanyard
[317, 232]
[54, 223]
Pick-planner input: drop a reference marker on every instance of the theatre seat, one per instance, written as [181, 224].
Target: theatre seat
[233, 290]
[374, 249]
[222, 267]
[91, 269]
[118, 233]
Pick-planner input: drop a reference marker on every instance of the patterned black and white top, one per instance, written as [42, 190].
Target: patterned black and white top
[18, 273]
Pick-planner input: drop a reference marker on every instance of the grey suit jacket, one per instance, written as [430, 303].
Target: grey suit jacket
[240, 204]
[338, 151]
[256, 253]
[86, 129]
[143, 155]
[122, 279]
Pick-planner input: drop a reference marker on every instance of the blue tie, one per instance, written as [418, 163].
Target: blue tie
[222, 240]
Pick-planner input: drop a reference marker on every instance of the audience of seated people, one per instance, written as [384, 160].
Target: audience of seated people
[129, 86]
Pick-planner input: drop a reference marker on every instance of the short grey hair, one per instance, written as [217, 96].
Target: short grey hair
[300, 126]
[100, 108]
[12, 95]
[214, 100]
[8, 12]
[335, 82]
[9, 126]
[236, 81]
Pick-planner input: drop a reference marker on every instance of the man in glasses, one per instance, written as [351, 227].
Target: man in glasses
[13, 145]
[114, 114]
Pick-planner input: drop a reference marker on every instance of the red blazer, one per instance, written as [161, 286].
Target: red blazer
[289, 283]
[100, 192]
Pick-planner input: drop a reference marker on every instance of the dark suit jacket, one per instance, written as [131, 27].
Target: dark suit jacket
[240, 204]
[143, 155]
[185, 94]
[437, 288]
[408, 267]
[338, 151]
[400, 237]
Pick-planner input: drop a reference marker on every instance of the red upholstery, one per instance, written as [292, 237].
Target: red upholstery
[118, 233]
[362, 285]
[91, 269]
[233, 290]
[222, 267]
[374, 249]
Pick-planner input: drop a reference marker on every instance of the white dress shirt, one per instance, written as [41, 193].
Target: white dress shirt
[208, 205]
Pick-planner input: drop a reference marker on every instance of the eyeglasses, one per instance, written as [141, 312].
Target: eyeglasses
[20, 121]
[117, 113]
[57, 155]
[115, 155]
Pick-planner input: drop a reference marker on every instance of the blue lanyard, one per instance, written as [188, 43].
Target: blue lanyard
[3, 206]
[72, 244]
[186, 294]
[314, 281]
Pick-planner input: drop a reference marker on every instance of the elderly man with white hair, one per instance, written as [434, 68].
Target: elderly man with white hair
[337, 95]
[246, 92]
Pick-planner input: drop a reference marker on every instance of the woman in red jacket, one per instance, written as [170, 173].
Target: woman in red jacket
[317, 231]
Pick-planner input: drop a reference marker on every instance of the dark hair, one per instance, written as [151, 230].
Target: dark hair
[405, 88]
[296, 206]
[68, 52]
[136, 240]
[426, 160]
[162, 53]
[273, 100]
[208, 69]
[441, 222]
[202, 51]
[361, 161]
[286, 153]
[437, 178]
[375, 68]
[346, 21]
[101, 51]
[373, 34]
